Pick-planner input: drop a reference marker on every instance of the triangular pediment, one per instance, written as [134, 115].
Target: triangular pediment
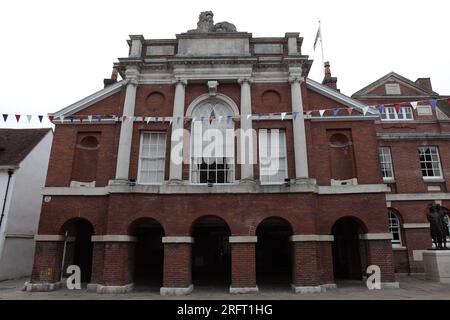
[392, 85]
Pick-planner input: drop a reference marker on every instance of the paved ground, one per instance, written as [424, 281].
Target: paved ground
[411, 287]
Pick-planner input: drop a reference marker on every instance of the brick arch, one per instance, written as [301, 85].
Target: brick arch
[362, 226]
[67, 224]
[202, 217]
[275, 218]
[135, 223]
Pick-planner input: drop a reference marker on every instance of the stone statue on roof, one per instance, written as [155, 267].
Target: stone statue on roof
[206, 24]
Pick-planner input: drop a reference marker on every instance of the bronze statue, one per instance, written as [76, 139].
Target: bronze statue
[438, 226]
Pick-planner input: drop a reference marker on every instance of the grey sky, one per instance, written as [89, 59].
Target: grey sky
[55, 53]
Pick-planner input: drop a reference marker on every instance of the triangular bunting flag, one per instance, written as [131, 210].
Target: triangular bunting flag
[17, 117]
[397, 107]
[249, 116]
[210, 119]
[89, 118]
[414, 104]
[283, 115]
[270, 115]
[309, 113]
[349, 110]
[335, 112]
[365, 109]
[50, 118]
[71, 118]
[380, 108]
[219, 119]
[147, 119]
[433, 103]
[5, 116]
[258, 117]
[81, 118]
[61, 118]
[321, 112]
[29, 116]
[170, 120]
[40, 118]
[98, 117]
[295, 114]
[448, 100]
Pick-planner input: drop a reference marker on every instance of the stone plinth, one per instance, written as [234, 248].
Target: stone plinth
[437, 265]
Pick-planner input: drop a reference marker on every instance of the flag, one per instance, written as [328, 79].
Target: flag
[335, 112]
[321, 112]
[350, 110]
[433, 103]
[5, 116]
[40, 118]
[397, 107]
[17, 117]
[365, 109]
[318, 35]
[295, 114]
[29, 116]
[283, 115]
[414, 104]
[50, 118]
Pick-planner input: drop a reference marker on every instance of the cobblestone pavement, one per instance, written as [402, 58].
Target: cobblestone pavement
[411, 287]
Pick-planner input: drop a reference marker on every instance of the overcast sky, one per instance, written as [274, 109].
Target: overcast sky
[55, 53]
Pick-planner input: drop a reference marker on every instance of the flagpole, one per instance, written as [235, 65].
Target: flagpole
[321, 43]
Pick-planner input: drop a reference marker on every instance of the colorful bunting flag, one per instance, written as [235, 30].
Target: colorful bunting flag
[61, 118]
[29, 116]
[321, 112]
[89, 118]
[349, 111]
[335, 112]
[17, 117]
[283, 115]
[433, 103]
[5, 116]
[397, 107]
[295, 114]
[414, 104]
[308, 113]
[50, 118]
[365, 110]
[40, 118]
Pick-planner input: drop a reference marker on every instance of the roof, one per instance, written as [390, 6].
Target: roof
[337, 96]
[365, 92]
[16, 144]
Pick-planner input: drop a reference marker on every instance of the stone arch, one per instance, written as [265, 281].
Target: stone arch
[219, 97]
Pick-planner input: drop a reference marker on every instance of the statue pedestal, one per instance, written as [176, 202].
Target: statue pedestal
[437, 265]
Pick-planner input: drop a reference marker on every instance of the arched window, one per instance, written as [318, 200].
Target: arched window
[212, 142]
[394, 228]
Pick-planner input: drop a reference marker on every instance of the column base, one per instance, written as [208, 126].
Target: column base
[98, 288]
[305, 181]
[176, 182]
[247, 181]
[168, 291]
[41, 287]
[119, 182]
[308, 289]
[390, 285]
[242, 290]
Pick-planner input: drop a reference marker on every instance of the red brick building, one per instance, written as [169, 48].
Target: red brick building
[120, 205]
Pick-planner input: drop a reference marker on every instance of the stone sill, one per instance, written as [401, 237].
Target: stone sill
[307, 186]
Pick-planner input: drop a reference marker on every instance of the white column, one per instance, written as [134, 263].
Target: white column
[301, 158]
[176, 154]
[126, 129]
[246, 130]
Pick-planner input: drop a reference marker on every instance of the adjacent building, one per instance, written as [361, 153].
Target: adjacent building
[24, 155]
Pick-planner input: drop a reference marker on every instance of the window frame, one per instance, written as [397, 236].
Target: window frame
[285, 156]
[394, 116]
[431, 178]
[395, 243]
[392, 177]
[138, 180]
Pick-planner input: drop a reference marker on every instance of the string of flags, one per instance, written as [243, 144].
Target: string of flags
[309, 113]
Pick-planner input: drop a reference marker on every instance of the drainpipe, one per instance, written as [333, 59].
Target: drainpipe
[10, 173]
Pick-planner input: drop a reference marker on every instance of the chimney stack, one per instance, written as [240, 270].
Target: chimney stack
[113, 79]
[328, 80]
[425, 84]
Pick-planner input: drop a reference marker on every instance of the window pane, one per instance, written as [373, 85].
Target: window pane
[152, 157]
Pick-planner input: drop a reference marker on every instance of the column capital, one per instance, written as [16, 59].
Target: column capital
[184, 82]
[294, 79]
[243, 80]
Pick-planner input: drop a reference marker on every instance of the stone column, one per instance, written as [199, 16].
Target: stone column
[126, 129]
[247, 132]
[46, 274]
[176, 154]
[300, 150]
[306, 273]
[177, 278]
[118, 257]
[243, 264]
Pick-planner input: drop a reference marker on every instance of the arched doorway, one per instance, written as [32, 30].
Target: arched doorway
[273, 252]
[347, 249]
[78, 247]
[211, 257]
[149, 253]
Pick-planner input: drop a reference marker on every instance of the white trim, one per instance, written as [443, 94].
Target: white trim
[75, 191]
[416, 225]
[49, 237]
[418, 196]
[218, 96]
[375, 236]
[243, 239]
[337, 96]
[361, 188]
[113, 238]
[90, 100]
[311, 237]
[183, 239]
[138, 178]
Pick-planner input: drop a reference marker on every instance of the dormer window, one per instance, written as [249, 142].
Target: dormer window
[390, 113]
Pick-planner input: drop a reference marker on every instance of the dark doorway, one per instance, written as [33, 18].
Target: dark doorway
[211, 256]
[346, 249]
[149, 253]
[273, 252]
[79, 251]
